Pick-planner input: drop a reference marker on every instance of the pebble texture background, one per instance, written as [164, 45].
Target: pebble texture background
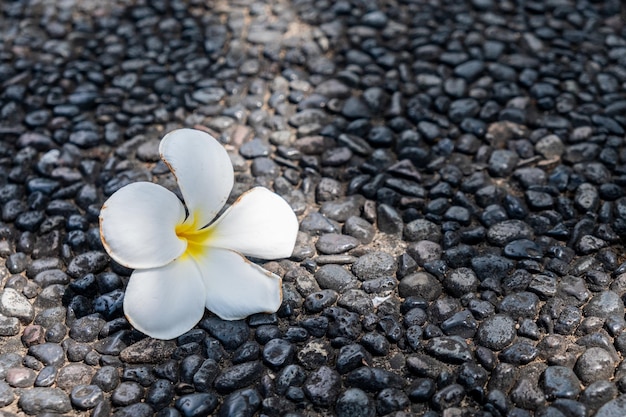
[458, 170]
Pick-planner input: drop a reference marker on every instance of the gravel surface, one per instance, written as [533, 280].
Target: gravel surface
[458, 172]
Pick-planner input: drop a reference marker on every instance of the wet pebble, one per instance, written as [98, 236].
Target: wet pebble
[238, 376]
[231, 334]
[277, 352]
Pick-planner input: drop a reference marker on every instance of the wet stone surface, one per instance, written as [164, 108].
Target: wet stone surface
[457, 169]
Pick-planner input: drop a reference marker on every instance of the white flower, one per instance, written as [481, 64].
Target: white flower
[184, 260]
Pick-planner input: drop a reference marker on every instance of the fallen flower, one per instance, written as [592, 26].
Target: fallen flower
[185, 259]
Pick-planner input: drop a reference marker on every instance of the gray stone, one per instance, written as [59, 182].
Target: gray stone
[14, 304]
[594, 364]
[335, 277]
[44, 400]
[374, 265]
[614, 408]
[420, 284]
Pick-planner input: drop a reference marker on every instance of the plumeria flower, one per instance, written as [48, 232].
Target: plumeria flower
[183, 258]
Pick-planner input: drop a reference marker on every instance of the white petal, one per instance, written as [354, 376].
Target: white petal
[259, 224]
[138, 226]
[165, 302]
[237, 288]
[203, 171]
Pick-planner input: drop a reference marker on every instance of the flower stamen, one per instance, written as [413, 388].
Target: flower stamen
[197, 239]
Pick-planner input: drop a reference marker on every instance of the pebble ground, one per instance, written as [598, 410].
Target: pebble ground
[458, 170]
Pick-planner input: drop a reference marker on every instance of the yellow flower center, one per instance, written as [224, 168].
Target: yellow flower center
[195, 237]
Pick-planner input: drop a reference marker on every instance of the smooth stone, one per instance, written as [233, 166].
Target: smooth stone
[359, 228]
[522, 304]
[238, 376]
[87, 263]
[107, 378]
[604, 304]
[7, 396]
[420, 284]
[374, 265]
[47, 376]
[278, 352]
[336, 278]
[127, 393]
[333, 243]
[74, 374]
[86, 397]
[422, 229]
[594, 364]
[560, 382]
[14, 304]
[613, 408]
[48, 353]
[519, 353]
[20, 377]
[231, 334]
[9, 326]
[44, 400]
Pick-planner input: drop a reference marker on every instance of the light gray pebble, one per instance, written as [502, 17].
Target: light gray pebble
[374, 265]
[334, 243]
[14, 304]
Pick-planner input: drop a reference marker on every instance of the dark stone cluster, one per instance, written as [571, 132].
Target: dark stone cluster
[457, 168]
